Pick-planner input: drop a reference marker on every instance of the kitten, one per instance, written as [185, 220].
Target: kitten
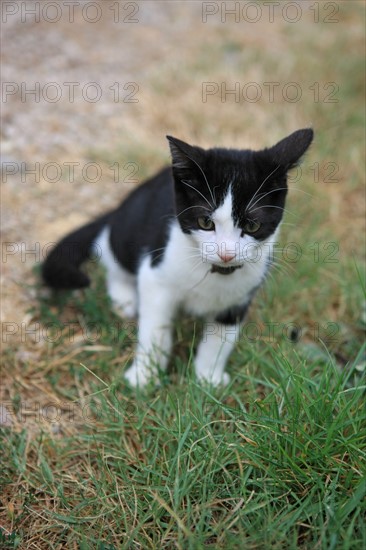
[198, 236]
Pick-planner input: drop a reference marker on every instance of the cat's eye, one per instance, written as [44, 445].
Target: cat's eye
[204, 222]
[251, 226]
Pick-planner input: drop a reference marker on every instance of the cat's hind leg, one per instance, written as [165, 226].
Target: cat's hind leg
[121, 285]
[122, 291]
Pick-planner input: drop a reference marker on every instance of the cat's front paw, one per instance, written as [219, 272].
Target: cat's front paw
[213, 378]
[139, 375]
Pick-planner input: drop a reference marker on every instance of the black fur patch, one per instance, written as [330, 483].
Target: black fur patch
[140, 225]
[233, 315]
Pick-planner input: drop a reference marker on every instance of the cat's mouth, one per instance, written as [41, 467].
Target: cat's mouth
[224, 270]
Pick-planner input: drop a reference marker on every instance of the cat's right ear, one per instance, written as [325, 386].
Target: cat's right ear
[186, 159]
[288, 152]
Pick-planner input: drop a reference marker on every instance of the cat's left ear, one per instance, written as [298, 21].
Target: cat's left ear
[289, 150]
[185, 157]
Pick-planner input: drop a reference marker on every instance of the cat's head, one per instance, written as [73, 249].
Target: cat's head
[231, 201]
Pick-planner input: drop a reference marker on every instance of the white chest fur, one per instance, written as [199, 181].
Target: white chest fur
[192, 284]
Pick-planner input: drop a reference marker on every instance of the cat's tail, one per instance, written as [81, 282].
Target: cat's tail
[61, 268]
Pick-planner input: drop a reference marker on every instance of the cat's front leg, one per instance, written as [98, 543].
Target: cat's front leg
[152, 353]
[218, 340]
[156, 311]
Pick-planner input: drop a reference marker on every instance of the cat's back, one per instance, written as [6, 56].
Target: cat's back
[140, 225]
[151, 198]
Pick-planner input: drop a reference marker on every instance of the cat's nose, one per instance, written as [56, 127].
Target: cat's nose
[226, 256]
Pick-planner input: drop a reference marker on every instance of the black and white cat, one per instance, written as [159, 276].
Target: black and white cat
[198, 236]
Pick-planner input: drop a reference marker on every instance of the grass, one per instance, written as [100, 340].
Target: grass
[277, 458]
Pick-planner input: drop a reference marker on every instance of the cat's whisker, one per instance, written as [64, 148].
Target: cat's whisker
[278, 189]
[270, 275]
[256, 268]
[278, 264]
[262, 195]
[301, 191]
[265, 195]
[203, 278]
[261, 185]
[159, 256]
[276, 273]
[199, 192]
[258, 271]
[213, 191]
[164, 248]
[279, 268]
[267, 206]
[198, 253]
[194, 206]
[198, 263]
[204, 175]
[283, 264]
[158, 250]
[191, 257]
[272, 206]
